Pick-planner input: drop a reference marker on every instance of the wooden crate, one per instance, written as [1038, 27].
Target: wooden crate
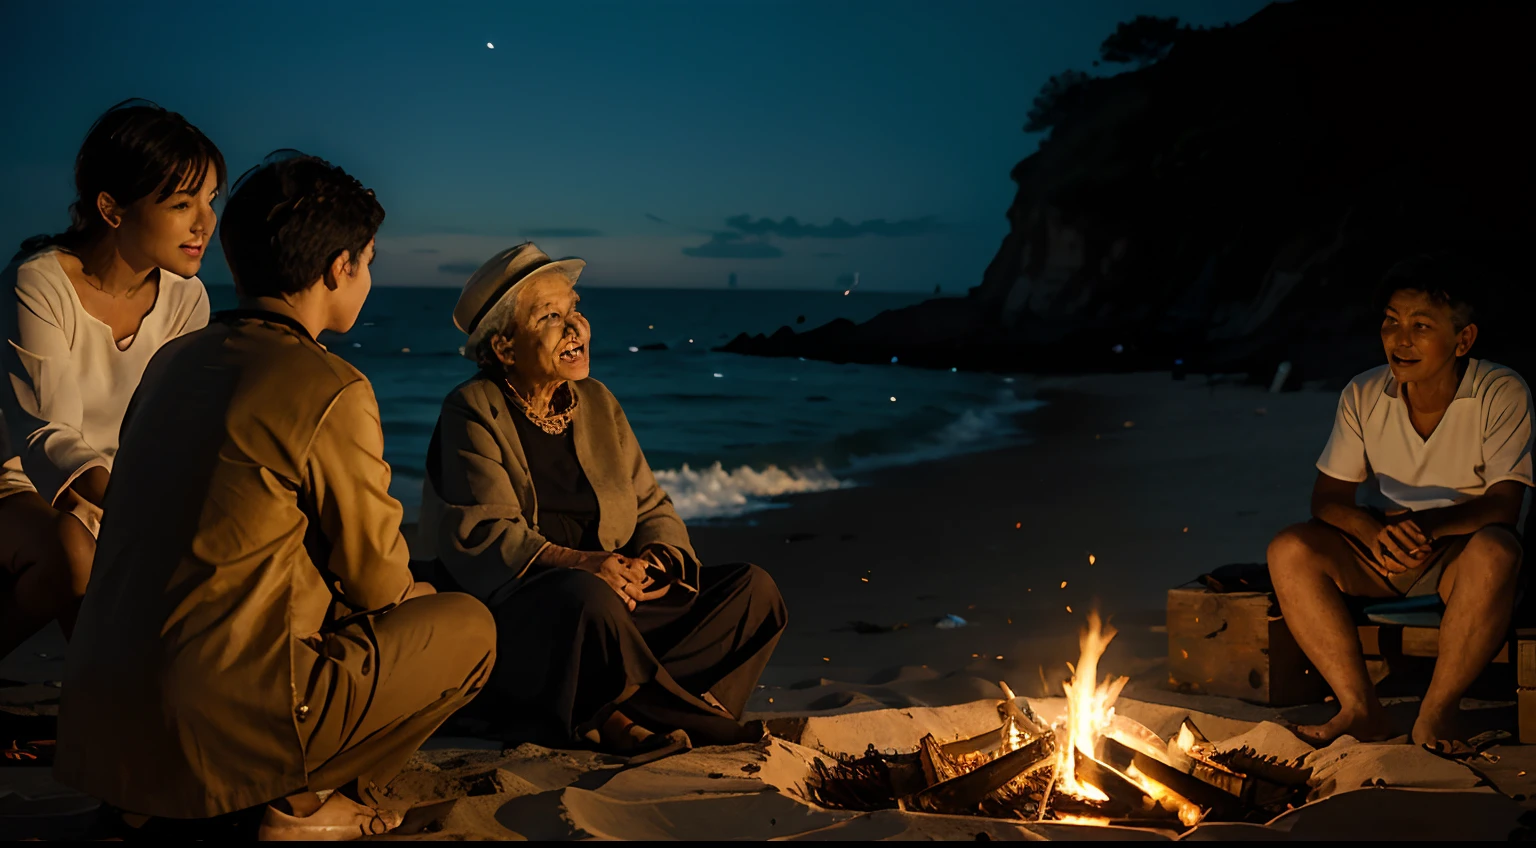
[1525, 674]
[1388, 639]
[1525, 658]
[1527, 701]
[1236, 644]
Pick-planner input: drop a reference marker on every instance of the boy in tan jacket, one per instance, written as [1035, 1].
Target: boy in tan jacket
[252, 634]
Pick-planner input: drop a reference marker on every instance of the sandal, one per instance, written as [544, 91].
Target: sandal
[657, 746]
[1457, 750]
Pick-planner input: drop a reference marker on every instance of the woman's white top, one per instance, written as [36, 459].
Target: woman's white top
[66, 380]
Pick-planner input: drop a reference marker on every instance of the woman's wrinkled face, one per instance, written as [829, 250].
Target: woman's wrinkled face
[552, 341]
[1421, 337]
[172, 234]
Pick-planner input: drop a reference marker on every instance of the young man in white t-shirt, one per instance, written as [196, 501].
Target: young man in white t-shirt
[1443, 443]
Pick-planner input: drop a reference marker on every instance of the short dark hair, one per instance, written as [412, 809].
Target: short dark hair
[289, 218]
[1448, 279]
[134, 149]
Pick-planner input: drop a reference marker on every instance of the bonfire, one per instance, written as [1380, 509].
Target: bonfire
[1092, 767]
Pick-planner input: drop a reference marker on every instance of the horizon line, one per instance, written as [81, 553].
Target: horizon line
[667, 288]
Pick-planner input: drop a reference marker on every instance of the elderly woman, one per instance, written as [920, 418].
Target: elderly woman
[539, 502]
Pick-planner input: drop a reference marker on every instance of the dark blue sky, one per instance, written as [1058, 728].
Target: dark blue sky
[627, 133]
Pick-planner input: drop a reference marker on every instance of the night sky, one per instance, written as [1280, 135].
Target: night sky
[633, 134]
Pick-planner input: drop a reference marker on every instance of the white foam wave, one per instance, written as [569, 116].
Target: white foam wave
[714, 492]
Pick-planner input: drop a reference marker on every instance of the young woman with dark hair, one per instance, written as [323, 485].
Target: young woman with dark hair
[81, 313]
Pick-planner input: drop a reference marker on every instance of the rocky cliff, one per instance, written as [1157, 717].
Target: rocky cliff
[1234, 204]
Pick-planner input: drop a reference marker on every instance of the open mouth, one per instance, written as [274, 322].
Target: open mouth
[1403, 361]
[574, 353]
[193, 250]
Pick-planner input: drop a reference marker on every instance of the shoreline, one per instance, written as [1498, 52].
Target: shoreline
[991, 536]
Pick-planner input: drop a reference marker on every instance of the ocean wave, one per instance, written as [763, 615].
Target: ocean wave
[714, 492]
[973, 430]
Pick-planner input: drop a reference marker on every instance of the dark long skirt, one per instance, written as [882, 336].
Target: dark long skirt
[570, 651]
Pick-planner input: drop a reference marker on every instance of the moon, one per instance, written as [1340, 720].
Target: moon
[490, 45]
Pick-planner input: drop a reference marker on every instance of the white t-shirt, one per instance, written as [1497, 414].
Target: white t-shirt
[1484, 438]
[67, 382]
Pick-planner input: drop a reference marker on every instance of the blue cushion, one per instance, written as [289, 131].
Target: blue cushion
[1418, 611]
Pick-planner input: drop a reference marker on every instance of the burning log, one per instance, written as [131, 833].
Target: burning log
[1124, 797]
[987, 744]
[1023, 718]
[1216, 802]
[1193, 754]
[963, 792]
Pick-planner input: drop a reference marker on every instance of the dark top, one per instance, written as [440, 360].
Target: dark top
[567, 502]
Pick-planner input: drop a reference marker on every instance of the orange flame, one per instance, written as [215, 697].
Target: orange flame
[1090, 715]
[1090, 709]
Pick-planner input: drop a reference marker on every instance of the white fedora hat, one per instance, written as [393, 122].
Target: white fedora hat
[501, 274]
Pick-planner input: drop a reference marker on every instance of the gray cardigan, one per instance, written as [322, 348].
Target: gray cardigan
[483, 524]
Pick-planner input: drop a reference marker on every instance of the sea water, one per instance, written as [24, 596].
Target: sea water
[724, 433]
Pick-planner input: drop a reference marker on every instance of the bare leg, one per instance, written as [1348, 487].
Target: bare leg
[1479, 592]
[45, 582]
[1313, 568]
[79, 548]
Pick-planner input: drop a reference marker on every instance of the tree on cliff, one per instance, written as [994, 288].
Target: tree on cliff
[1057, 98]
[1142, 40]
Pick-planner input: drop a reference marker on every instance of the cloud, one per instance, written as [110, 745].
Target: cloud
[459, 267]
[658, 219]
[838, 229]
[728, 245]
[425, 250]
[562, 232]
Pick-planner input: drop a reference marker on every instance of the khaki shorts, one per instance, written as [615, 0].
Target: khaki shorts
[1423, 579]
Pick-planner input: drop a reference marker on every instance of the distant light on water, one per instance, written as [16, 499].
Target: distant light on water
[718, 374]
[893, 398]
[633, 349]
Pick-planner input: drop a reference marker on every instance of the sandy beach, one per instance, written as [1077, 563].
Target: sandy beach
[1131, 485]
[1156, 480]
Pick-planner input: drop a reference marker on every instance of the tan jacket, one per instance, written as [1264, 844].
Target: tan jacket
[484, 523]
[249, 496]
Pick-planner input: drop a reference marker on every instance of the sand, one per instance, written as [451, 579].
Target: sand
[1157, 480]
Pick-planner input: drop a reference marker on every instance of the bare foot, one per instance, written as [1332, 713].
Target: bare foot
[1369, 727]
[1434, 726]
